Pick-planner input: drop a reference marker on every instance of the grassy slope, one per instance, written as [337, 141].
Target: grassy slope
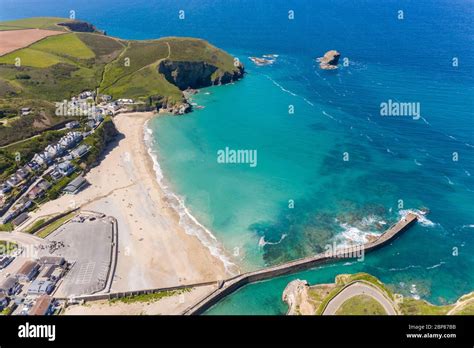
[361, 305]
[35, 22]
[31, 57]
[138, 78]
[188, 49]
[141, 78]
[323, 293]
[55, 68]
[69, 45]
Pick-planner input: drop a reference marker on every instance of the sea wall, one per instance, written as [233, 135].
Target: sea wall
[232, 284]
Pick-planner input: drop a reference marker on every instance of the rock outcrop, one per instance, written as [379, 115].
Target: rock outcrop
[79, 26]
[296, 296]
[197, 74]
[330, 60]
[193, 75]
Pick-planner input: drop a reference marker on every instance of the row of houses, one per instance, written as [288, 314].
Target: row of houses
[12, 207]
[61, 152]
[15, 179]
[37, 164]
[52, 151]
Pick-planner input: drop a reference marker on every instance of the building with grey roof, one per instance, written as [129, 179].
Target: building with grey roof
[9, 286]
[40, 287]
[75, 186]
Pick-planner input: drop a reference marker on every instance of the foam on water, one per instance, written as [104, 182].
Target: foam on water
[186, 220]
[262, 242]
[353, 236]
[421, 215]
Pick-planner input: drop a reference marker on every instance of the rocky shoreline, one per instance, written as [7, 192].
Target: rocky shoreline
[189, 77]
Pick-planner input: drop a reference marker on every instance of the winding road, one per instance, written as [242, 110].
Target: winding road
[22, 238]
[355, 289]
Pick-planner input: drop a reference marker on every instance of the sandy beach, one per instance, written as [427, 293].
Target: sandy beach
[154, 250]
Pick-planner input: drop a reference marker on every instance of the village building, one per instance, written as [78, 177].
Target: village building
[65, 168]
[5, 188]
[43, 158]
[44, 184]
[55, 150]
[40, 287]
[3, 301]
[34, 166]
[20, 219]
[9, 286]
[72, 124]
[5, 261]
[28, 271]
[75, 186]
[13, 180]
[51, 272]
[86, 94]
[25, 111]
[52, 260]
[42, 306]
[105, 97]
[36, 192]
[22, 173]
[80, 151]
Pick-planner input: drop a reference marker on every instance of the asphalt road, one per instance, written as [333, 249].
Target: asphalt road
[359, 289]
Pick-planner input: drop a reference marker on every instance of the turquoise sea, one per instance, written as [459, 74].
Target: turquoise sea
[396, 164]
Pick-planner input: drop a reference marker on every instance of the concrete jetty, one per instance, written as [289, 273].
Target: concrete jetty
[232, 284]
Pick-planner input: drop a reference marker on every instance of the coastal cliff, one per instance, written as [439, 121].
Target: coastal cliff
[79, 26]
[152, 73]
[193, 75]
[198, 74]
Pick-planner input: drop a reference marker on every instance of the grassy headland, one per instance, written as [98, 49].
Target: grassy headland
[317, 297]
[152, 72]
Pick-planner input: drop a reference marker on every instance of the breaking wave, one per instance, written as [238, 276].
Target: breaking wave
[186, 220]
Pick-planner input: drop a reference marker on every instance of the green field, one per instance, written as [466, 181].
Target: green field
[31, 57]
[50, 51]
[149, 298]
[65, 45]
[361, 305]
[189, 49]
[466, 310]
[411, 306]
[47, 230]
[36, 22]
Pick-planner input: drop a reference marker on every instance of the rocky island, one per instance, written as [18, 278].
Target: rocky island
[330, 60]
